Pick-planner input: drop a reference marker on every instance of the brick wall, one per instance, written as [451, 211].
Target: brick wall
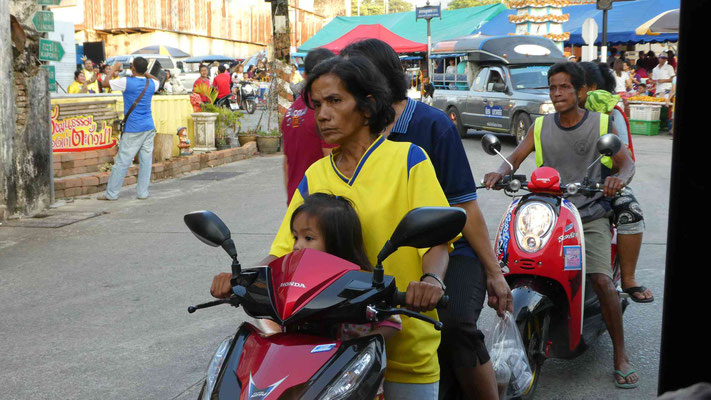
[82, 162]
[94, 182]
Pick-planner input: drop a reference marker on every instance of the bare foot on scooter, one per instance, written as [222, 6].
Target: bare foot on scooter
[625, 376]
[640, 293]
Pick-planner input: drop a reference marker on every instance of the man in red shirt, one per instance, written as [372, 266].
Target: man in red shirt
[303, 144]
[222, 82]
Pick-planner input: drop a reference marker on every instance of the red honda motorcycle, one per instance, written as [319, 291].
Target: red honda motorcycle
[541, 248]
[309, 293]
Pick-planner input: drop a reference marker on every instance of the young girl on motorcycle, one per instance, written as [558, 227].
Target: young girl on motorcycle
[329, 223]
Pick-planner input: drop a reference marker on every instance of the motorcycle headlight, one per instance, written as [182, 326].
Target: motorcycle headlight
[343, 386]
[547, 108]
[534, 223]
[213, 369]
[247, 89]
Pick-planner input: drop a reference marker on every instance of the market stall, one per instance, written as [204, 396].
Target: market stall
[646, 114]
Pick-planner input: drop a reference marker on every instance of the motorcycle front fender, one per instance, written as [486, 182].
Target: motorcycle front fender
[527, 302]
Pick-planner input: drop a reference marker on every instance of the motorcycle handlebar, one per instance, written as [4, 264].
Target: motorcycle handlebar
[399, 300]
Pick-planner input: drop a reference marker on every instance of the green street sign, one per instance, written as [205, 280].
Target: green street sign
[49, 2]
[51, 77]
[50, 50]
[44, 21]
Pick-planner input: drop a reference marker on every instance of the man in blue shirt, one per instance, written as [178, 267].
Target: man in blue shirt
[463, 355]
[139, 131]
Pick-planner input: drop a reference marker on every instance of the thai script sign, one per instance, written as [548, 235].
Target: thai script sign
[79, 133]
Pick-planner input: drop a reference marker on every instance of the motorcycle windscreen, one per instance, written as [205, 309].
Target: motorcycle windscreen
[300, 276]
[271, 365]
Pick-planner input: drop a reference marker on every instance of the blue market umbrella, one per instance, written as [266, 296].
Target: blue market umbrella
[164, 50]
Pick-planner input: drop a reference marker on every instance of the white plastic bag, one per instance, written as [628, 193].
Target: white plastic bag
[513, 373]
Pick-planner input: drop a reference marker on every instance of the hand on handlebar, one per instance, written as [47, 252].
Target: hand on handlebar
[221, 286]
[612, 186]
[491, 179]
[423, 296]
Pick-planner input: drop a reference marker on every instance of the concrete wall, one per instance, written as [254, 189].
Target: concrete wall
[7, 115]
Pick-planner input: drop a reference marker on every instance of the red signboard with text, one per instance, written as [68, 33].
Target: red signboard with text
[79, 133]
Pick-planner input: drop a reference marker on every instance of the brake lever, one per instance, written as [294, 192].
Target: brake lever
[233, 300]
[377, 314]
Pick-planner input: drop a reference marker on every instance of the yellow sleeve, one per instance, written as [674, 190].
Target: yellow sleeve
[283, 243]
[423, 187]
[73, 88]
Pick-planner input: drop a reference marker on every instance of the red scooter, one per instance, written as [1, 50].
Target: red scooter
[541, 248]
[309, 293]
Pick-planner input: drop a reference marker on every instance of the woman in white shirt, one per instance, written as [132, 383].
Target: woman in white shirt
[623, 82]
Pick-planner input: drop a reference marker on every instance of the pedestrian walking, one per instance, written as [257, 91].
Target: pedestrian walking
[139, 130]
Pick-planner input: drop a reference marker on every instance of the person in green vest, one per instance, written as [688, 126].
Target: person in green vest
[566, 140]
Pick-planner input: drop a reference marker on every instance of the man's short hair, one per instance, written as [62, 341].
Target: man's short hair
[221, 68]
[577, 76]
[314, 57]
[141, 65]
[76, 73]
[385, 60]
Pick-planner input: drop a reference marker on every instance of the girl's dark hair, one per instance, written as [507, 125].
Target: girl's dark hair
[598, 74]
[577, 76]
[385, 60]
[339, 225]
[364, 82]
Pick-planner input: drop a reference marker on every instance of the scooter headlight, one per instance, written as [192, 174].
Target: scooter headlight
[247, 88]
[344, 386]
[213, 369]
[534, 223]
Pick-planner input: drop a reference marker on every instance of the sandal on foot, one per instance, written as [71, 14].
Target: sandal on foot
[624, 376]
[637, 289]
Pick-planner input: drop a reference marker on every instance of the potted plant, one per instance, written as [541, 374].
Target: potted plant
[226, 119]
[268, 141]
[246, 137]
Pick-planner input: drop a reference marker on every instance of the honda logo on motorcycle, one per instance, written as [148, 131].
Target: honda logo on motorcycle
[292, 284]
[259, 394]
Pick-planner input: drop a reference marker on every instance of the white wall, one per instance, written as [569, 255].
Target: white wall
[64, 69]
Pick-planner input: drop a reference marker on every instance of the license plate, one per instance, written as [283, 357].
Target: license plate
[234, 106]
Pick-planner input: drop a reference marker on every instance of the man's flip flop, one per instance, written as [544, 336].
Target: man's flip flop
[624, 376]
[637, 289]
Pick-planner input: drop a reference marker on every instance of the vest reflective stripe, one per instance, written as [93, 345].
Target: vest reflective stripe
[538, 126]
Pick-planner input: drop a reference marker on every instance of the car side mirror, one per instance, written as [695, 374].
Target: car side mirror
[499, 87]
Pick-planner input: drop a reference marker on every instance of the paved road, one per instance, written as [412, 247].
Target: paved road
[97, 309]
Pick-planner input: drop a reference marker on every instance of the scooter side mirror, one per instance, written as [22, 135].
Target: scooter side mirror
[425, 227]
[210, 229]
[491, 144]
[609, 144]
[207, 227]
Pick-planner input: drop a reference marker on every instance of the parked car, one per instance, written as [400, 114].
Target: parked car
[506, 84]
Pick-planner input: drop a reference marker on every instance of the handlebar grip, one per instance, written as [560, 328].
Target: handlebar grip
[399, 300]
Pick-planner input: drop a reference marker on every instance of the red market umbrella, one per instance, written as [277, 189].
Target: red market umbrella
[375, 31]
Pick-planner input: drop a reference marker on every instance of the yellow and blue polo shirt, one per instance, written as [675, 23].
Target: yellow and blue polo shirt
[390, 180]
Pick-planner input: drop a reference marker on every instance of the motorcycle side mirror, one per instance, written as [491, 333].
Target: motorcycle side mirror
[210, 229]
[425, 227]
[609, 144]
[491, 144]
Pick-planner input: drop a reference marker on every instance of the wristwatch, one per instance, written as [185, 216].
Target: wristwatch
[435, 277]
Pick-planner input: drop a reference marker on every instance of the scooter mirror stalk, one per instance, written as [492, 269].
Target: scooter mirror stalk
[492, 146]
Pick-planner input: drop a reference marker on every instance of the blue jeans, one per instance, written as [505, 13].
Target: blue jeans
[411, 391]
[132, 143]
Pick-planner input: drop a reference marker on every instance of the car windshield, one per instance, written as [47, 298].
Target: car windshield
[533, 77]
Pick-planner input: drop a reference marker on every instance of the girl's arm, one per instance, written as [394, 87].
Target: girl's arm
[385, 331]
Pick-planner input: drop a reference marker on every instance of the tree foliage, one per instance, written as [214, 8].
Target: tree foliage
[455, 4]
[377, 7]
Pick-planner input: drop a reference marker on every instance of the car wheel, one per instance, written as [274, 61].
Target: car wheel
[521, 124]
[456, 119]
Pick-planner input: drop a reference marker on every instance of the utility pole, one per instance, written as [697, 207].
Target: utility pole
[281, 38]
[428, 12]
[604, 5]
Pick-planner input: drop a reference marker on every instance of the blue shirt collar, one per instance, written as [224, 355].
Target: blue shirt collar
[404, 121]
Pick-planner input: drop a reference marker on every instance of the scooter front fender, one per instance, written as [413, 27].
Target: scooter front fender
[527, 302]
